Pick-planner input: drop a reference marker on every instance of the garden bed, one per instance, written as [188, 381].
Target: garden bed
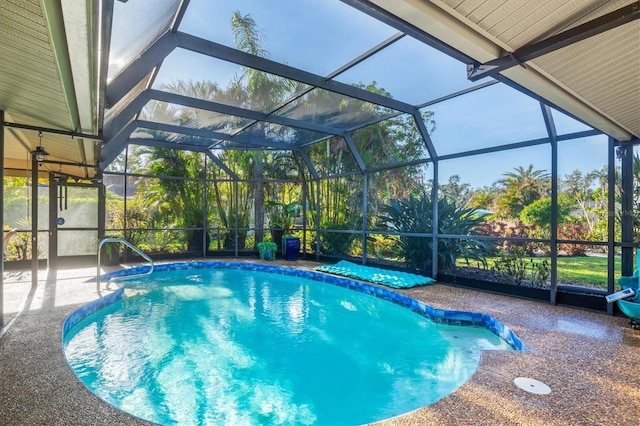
[482, 281]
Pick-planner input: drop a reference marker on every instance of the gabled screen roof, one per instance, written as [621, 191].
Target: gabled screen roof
[287, 74]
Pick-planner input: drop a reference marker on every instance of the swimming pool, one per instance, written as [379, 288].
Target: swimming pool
[220, 342]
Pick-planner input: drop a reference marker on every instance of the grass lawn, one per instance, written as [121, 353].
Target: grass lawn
[586, 271]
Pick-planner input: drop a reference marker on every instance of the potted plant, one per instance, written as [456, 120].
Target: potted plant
[267, 249]
[281, 220]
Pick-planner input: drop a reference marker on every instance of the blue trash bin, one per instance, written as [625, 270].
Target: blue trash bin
[291, 248]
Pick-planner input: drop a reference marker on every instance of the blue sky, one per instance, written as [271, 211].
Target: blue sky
[321, 35]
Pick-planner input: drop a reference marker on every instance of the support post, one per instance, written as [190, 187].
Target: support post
[628, 263]
[611, 220]
[318, 215]
[304, 218]
[34, 221]
[237, 235]
[53, 225]
[434, 222]
[126, 190]
[205, 224]
[553, 140]
[364, 217]
[554, 223]
[102, 206]
[2, 218]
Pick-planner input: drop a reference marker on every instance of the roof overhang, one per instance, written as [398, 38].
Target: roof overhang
[48, 83]
[595, 79]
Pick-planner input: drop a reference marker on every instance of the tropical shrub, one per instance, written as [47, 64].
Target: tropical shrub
[282, 216]
[540, 272]
[339, 243]
[512, 267]
[19, 246]
[573, 230]
[539, 212]
[413, 215]
[384, 247]
[498, 229]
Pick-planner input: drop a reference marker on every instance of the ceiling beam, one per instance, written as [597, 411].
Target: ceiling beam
[188, 131]
[518, 145]
[11, 124]
[114, 147]
[155, 143]
[308, 163]
[211, 134]
[220, 164]
[104, 45]
[216, 50]
[424, 132]
[366, 55]
[241, 112]
[566, 38]
[182, 9]
[114, 125]
[52, 12]
[344, 68]
[351, 144]
[138, 69]
[379, 13]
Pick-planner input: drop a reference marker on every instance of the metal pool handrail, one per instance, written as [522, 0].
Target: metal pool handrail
[132, 247]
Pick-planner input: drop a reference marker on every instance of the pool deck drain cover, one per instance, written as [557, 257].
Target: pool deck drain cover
[532, 386]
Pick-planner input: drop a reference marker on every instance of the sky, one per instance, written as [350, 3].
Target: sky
[320, 36]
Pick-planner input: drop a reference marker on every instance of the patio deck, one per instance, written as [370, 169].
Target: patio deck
[589, 360]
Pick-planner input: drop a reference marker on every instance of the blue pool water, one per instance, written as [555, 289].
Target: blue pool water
[225, 346]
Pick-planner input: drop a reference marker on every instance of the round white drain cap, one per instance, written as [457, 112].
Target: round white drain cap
[532, 385]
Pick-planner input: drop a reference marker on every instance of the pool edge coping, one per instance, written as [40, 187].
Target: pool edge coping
[440, 316]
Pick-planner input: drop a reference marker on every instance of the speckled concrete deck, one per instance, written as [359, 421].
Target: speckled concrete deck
[590, 361]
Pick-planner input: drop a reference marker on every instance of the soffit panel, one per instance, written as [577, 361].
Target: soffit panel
[486, 30]
[611, 84]
[518, 23]
[30, 83]
[19, 144]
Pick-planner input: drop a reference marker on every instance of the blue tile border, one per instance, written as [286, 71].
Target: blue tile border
[442, 316]
[86, 310]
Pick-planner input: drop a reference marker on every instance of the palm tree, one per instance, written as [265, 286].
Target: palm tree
[262, 91]
[224, 193]
[176, 202]
[252, 90]
[520, 188]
